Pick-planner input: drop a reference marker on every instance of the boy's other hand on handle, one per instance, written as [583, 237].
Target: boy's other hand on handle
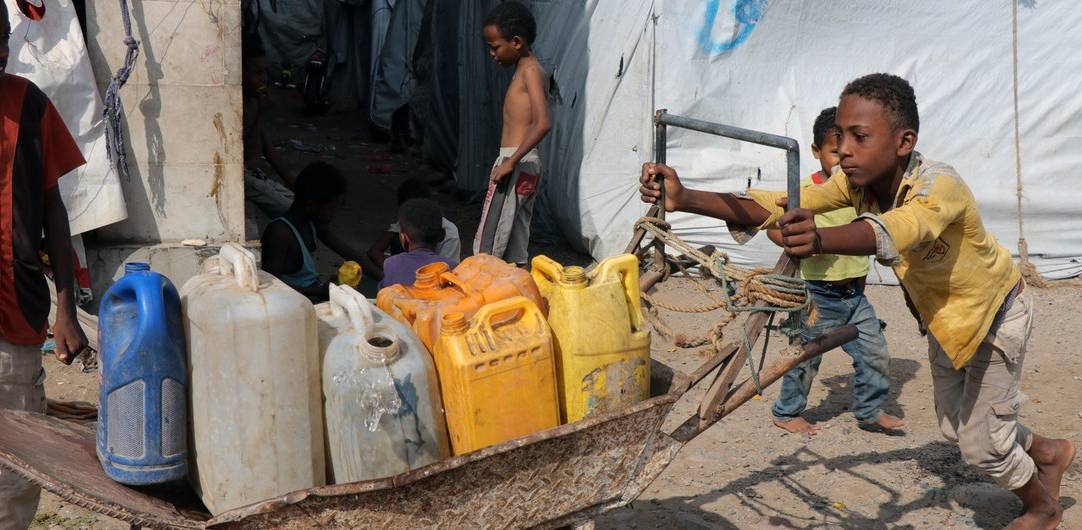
[800, 238]
[651, 189]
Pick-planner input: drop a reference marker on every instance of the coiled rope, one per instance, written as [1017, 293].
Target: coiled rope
[743, 289]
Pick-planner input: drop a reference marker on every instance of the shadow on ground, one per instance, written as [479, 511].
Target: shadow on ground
[963, 491]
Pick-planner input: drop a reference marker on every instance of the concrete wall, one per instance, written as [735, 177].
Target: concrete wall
[183, 106]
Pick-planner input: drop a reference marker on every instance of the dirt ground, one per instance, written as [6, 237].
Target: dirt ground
[743, 472]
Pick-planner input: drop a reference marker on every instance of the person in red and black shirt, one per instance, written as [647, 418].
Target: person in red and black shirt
[36, 149]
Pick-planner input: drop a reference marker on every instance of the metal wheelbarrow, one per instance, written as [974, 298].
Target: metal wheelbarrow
[564, 476]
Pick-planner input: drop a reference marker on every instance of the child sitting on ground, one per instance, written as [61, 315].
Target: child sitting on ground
[919, 217]
[505, 218]
[289, 241]
[421, 231]
[836, 284]
[388, 243]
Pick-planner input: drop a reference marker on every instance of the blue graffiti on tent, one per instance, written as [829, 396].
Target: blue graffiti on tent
[747, 14]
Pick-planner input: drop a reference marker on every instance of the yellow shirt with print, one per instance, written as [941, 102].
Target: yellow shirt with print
[832, 267]
[954, 271]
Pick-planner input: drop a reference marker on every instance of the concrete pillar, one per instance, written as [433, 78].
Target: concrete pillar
[183, 108]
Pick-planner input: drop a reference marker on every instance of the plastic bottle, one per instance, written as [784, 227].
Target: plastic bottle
[601, 342]
[383, 410]
[142, 425]
[497, 374]
[257, 412]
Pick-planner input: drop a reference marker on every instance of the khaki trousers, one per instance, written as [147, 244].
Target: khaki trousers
[977, 406]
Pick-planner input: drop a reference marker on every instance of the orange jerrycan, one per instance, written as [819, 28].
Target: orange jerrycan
[497, 374]
[478, 280]
[421, 304]
[602, 346]
[495, 279]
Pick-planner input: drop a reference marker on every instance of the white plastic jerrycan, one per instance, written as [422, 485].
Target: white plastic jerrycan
[256, 409]
[383, 410]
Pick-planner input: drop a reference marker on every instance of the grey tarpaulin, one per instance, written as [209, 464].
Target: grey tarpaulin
[393, 80]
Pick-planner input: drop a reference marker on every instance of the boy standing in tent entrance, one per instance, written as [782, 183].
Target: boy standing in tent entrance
[919, 217]
[505, 219]
[836, 284]
[36, 149]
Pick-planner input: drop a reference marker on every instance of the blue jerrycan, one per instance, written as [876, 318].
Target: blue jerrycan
[143, 411]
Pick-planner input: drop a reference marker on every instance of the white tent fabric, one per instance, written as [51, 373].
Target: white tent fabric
[51, 53]
[772, 66]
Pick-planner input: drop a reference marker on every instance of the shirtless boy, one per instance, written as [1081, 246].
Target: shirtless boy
[505, 220]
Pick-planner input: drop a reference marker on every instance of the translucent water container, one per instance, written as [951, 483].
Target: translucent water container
[142, 425]
[383, 410]
[601, 342]
[257, 409]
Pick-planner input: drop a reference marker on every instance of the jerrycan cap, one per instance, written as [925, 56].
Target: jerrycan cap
[136, 266]
[573, 277]
[454, 323]
[380, 344]
[428, 277]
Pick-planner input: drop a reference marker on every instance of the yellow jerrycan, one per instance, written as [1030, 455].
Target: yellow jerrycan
[602, 345]
[497, 374]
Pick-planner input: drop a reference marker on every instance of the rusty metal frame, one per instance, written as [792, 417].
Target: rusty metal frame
[660, 264]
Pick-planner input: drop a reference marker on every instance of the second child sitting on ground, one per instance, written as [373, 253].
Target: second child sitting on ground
[420, 221]
[388, 243]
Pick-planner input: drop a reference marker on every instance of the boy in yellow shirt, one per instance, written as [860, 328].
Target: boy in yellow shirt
[919, 217]
[836, 284]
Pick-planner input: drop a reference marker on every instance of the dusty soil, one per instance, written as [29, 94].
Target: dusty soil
[746, 473]
[743, 472]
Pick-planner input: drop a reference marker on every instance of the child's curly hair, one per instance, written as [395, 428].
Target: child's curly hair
[891, 91]
[824, 124]
[513, 19]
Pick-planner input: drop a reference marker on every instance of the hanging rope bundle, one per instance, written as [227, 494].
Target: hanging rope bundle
[743, 288]
[114, 141]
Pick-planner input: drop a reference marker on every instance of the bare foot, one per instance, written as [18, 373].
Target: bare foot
[885, 424]
[1039, 510]
[1036, 521]
[887, 421]
[798, 426]
[1053, 457]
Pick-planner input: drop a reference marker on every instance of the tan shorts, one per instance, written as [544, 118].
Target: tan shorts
[504, 231]
[977, 406]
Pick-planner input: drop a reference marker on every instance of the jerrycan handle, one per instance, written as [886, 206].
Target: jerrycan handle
[355, 305]
[486, 316]
[240, 262]
[627, 266]
[450, 278]
[545, 272]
